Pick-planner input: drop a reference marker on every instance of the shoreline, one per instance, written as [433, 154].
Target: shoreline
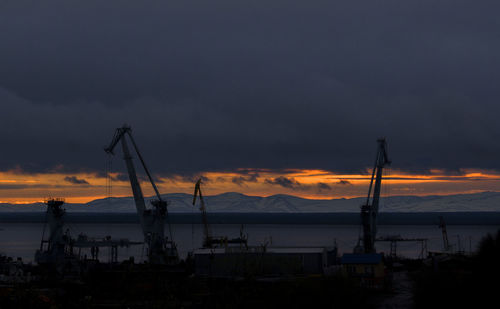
[421, 218]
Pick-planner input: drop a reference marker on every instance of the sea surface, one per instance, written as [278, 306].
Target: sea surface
[23, 239]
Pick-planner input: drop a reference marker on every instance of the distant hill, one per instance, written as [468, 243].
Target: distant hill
[240, 203]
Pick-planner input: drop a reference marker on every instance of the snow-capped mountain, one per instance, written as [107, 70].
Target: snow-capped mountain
[237, 202]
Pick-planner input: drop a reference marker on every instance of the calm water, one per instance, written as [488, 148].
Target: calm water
[22, 239]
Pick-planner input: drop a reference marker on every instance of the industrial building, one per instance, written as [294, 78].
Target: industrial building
[257, 262]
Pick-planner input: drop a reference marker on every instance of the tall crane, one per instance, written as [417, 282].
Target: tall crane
[161, 249]
[442, 226]
[57, 247]
[369, 210]
[210, 241]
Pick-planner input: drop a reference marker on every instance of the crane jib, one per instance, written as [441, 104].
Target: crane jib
[152, 220]
[369, 210]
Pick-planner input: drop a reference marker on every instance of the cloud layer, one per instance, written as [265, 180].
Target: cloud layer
[220, 85]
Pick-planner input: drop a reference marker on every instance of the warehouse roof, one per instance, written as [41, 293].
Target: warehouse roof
[368, 258]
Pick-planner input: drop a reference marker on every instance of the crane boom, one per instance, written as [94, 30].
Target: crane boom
[134, 182]
[442, 225]
[160, 249]
[207, 242]
[145, 168]
[210, 241]
[119, 133]
[369, 211]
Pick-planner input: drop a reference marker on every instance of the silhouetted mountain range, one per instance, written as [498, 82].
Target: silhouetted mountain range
[239, 203]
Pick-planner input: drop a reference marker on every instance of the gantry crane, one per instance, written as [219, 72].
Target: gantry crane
[161, 249]
[369, 210]
[210, 241]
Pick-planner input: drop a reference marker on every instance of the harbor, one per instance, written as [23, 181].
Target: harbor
[367, 258]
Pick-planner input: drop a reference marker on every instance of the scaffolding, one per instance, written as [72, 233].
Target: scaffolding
[393, 240]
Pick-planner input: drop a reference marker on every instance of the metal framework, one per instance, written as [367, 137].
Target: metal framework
[54, 250]
[393, 240]
[59, 247]
[442, 226]
[161, 249]
[369, 210]
[210, 241]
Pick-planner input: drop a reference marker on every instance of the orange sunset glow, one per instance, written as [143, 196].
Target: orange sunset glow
[17, 187]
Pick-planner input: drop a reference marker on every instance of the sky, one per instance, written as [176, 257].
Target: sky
[258, 97]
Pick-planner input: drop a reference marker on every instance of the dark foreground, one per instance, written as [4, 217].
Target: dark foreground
[155, 288]
[457, 282]
[440, 281]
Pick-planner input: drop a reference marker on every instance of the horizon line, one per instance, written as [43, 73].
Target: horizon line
[261, 196]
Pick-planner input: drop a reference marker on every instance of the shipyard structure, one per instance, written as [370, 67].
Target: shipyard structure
[219, 256]
[84, 271]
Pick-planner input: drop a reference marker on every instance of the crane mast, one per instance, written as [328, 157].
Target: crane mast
[207, 241]
[369, 210]
[210, 241]
[161, 250]
[442, 225]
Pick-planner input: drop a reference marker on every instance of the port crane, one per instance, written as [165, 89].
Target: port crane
[210, 241]
[161, 249]
[369, 210]
[55, 249]
[64, 252]
[442, 226]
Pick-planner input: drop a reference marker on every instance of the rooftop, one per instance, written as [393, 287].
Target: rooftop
[279, 250]
[367, 258]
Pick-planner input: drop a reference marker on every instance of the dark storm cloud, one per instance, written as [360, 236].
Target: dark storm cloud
[238, 180]
[220, 179]
[241, 180]
[323, 186]
[14, 186]
[344, 182]
[120, 177]
[285, 182]
[10, 187]
[124, 177]
[193, 178]
[76, 181]
[219, 85]
[291, 183]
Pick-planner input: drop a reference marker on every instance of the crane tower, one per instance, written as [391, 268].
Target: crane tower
[369, 210]
[161, 249]
[210, 241]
